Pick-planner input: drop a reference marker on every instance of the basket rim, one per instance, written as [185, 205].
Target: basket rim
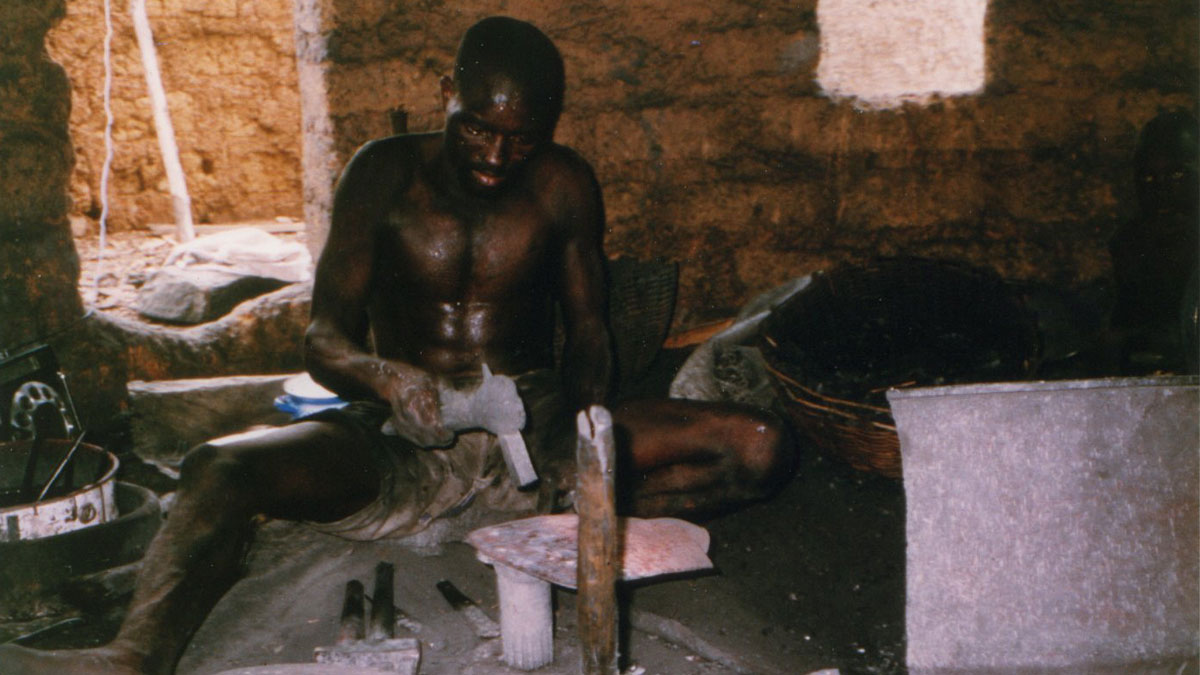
[823, 397]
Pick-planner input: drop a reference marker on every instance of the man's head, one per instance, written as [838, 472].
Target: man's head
[503, 102]
[1165, 165]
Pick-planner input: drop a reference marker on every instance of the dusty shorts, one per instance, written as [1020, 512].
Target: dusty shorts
[421, 485]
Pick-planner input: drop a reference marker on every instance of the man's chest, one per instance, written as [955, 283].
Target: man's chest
[455, 250]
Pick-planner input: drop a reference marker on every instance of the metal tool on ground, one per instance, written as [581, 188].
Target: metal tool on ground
[46, 630]
[351, 627]
[306, 669]
[382, 624]
[496, 407]
[483, 625]
[587, 551]
[380, 649]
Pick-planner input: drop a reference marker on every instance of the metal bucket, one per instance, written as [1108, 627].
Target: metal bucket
[1052, 526]
[81, 496]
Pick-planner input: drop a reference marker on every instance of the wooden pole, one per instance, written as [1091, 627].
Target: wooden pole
[597, 570]
[181, 203]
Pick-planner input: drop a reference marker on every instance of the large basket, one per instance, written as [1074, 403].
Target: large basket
[836, 347]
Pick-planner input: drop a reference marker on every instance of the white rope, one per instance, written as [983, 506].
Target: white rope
[108, 148]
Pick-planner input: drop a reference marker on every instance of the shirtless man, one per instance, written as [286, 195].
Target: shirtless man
[1155, 255]
[447, 251]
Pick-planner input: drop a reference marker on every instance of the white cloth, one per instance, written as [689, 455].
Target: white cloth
[248, 251]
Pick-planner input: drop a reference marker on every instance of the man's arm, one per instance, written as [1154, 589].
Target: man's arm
[336, 352]
[583, 289]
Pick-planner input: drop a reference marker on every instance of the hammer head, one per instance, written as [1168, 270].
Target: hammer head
[494, 406]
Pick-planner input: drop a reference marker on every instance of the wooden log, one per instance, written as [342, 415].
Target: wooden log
[181, 203]
[597, 569]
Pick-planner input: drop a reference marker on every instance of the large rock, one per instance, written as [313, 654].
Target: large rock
[196, 295]
[171, 416]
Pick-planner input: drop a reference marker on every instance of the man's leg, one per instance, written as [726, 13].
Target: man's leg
[697, 459]
[306, 471]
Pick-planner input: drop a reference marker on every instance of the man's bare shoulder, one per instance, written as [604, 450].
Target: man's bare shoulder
[563, 177]
[564, 161]
[401, 149]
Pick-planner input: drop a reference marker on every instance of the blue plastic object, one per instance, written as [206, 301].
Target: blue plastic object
[302, 397]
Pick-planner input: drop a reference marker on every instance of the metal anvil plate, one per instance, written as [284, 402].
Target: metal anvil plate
[546, 547]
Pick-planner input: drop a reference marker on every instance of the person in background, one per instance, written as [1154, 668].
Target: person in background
[1155, 255]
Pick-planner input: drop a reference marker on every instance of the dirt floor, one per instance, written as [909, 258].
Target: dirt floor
[812, 579]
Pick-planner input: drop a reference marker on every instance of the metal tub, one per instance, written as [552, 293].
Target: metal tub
[82, 495]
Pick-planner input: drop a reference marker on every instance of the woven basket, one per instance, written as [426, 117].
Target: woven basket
[835, 348]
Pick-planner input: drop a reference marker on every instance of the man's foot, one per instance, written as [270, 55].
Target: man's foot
[16, 660]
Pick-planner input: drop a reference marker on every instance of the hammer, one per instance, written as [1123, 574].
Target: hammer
[496, 407]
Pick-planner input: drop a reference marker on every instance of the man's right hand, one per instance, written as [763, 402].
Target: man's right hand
[416, 408]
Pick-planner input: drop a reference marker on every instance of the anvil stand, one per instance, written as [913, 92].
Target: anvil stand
[588, 552]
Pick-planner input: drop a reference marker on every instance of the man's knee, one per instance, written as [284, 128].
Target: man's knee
[212, 467]
[766, 451]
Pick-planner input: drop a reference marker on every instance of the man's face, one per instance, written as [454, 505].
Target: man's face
[1167, 183]
[490, 132]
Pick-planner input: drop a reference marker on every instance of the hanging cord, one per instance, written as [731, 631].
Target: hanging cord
[108, 149]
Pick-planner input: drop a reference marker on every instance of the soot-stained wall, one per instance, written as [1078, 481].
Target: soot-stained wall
[716, 147]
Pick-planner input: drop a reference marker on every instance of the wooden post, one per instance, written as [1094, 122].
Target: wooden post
[597, 569]
[181, 203]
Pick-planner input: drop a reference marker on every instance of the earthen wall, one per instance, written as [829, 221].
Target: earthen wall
[38, 264]
[716, 148]
[229, 70]
[709, 133]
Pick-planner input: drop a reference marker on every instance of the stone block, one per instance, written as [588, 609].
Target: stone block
[197, 295]
[171, 416]
[1051, 526]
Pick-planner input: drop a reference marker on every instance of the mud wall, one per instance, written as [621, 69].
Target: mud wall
[229, 70]
[38, 264]
[716, 148]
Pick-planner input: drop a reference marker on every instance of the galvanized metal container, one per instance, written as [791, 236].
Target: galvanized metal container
[1052, 526]
[82, 495]
[31, 567]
